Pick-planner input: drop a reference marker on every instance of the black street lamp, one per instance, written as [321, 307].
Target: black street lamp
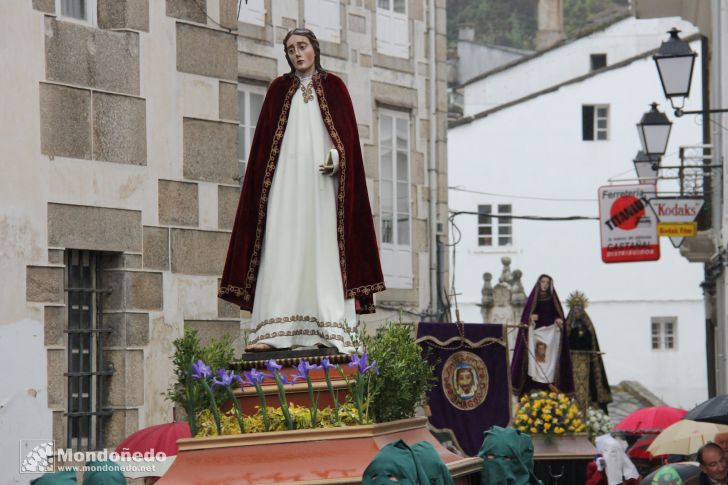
[675, 60]
[654, 131]
[646, 167]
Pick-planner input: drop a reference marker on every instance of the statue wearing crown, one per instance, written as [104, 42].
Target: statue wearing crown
[590, 378]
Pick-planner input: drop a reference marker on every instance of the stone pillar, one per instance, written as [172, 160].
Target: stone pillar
[550, 23]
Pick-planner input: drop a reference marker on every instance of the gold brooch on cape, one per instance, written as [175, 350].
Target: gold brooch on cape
[307, 91]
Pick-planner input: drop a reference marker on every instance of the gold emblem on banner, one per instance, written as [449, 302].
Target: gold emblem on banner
[465, 380]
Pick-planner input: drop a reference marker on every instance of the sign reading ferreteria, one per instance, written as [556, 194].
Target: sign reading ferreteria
[676, 216]
[628, 225]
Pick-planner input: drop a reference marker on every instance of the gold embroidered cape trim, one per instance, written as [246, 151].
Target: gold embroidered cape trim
[301, 318]
[265, 189]
[364, 290]
[336, 139]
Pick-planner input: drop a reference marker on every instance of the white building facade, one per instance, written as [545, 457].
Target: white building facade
[535, 157]
[568, 60]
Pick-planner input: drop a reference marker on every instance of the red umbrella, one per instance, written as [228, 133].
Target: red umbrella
[162, 438]
[650, 420]
[639, 451]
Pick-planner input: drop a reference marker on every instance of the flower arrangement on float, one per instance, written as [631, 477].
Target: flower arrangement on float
[598, 423]
[288, 416]
[549, 414]
[376, 392]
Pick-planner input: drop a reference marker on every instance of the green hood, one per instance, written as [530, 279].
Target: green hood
[507, 458]
[103, 473]
[57, 478]
[395, 464]
[431, 462]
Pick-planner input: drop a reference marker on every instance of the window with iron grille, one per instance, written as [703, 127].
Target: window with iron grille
[87, 378]
[664, 333]
[495, 231]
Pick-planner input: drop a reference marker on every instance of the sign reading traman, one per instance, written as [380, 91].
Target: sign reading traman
[627, 223]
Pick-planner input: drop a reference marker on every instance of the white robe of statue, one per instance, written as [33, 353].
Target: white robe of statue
[299, 298]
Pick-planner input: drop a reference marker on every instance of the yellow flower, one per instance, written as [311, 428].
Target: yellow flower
[533, 430]
[547, 417]
[547, 426]
[558, 430]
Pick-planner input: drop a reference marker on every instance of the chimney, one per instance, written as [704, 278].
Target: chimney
[550, 23]
[466, 32]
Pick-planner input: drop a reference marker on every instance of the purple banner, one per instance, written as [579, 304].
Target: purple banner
[472, 391]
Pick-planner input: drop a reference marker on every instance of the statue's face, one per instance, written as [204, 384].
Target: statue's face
[544, 283]
[301, 54]
[578, 311]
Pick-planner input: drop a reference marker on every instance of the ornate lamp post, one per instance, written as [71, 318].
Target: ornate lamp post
[675, 61]
[645, 167]
[654, 131]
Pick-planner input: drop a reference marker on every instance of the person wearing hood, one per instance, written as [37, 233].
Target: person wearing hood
[507, 458]
[404, 465]
[613, 467]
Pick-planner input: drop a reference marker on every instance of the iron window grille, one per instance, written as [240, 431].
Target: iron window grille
[87, 375]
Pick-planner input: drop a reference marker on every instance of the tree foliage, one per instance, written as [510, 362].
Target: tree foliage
[513, 23]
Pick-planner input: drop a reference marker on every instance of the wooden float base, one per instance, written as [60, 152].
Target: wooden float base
[303, 457]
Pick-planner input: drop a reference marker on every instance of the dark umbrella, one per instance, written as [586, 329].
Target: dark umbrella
[685, 473]
[713, 410]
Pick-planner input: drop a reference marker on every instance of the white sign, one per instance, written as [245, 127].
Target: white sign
[628, 226]
[676, 209]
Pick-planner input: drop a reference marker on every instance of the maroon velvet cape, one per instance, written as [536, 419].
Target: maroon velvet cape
[361, 271]
[548, 311]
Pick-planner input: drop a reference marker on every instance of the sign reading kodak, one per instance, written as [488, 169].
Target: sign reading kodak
[676, 215]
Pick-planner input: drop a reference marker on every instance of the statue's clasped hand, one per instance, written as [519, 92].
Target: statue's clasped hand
[331, 165]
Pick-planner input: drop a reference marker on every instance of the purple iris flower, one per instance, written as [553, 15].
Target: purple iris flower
[326, 364]
[226, 378]
[303, 368]
[200, 370]
[254, 377]
[362, 363]
[273, 366]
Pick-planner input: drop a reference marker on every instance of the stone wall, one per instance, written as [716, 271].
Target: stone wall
[163, 233]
